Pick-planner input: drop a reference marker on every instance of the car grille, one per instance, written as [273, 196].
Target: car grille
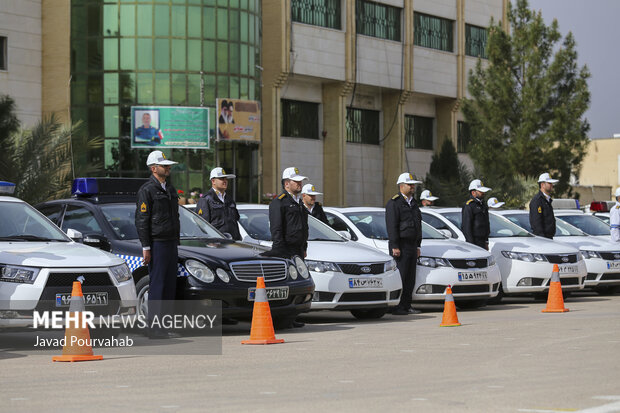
[350, 297]
[569, 281]
[66, 279]
[249, 271]
[591, 276]
[559, 258]
[356, 269]
[478, 263]
[476, 288]
[610, 276]
[611, 256]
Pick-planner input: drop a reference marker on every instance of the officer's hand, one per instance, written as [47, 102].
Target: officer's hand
[305, 254]
[146, 256]
[487, 247]
[419, 252]
[395, 252]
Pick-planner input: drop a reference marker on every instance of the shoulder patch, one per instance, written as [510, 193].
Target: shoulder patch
[540, 210]
[282, 196]
[200, 212]
[396, 196]
[617, 206]
[143, 207]
[469, 202]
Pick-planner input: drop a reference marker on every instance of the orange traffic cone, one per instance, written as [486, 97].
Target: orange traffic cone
[555, 300]
[262, 326]
[77, 339]
[450, 319]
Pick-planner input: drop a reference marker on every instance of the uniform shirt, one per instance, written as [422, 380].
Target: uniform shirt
[614, 222]
[288, 223]
[221, 212]
[157, 213]
[318, 212]
[542, 219]
[151, 134]
[404, 224]
[475, 222]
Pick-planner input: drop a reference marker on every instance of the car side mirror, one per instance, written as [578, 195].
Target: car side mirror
[97, 241]
[445, 232]
[227, 235]
[345, 234]
[75, 235]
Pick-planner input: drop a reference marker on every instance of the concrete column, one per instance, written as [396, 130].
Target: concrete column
[334, 144]
[447, 116]
[394, 144]
[461, 81]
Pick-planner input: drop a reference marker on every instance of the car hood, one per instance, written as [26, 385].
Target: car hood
[55, 255]
[589, 243]
[535, 245]
[350, 251]
[451, 249]
[381, 244]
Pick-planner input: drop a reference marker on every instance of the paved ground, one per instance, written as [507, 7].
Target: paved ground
[508, 358]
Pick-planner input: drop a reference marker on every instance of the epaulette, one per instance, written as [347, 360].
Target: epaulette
[282, 196]
[469, 202]
[617, 206]
[396, 196]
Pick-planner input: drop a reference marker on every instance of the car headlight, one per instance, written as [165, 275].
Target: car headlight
[222, 274]
[524, 256]
[390, 265]
[301, 267]
[292, 272]
[199, 271]
[433, 262]
[322, 266]
[24, 275]
[490, 261]
[121, 272]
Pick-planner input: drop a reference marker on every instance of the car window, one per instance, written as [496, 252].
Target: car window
[604, 218]
[371, 224]
[339, 225]
[437, 223]
[587, 223]
[20, 221]
[256, 223]
[562, 229]
[500, 227]
[52, 212]
[80, 219]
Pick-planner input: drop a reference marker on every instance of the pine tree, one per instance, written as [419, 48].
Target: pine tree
[448, 178]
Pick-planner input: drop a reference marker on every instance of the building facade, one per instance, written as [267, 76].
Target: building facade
[356, 91]
[601, 165]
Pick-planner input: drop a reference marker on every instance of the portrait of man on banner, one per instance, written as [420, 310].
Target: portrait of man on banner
[146, 127]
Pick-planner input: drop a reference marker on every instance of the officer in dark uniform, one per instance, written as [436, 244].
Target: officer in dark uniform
[475, 216]
[158, 226]
[218, 207]
[404, 227]
[288, 218]
[542, 219]
[308, 196]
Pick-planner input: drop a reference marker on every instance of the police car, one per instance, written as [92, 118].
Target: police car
[525, 260]
[589, 224]
[347, 275]
[602, 257]
[471, 271]
[39, 263]
[211, 266]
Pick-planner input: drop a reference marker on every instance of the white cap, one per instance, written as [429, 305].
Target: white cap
[158, 158]
[476, 184]
[407, 178]
[220, 173]
[546, 178]
[617, 192]
[426, 194]
[494, 203]
[310, 190]
[293, 174]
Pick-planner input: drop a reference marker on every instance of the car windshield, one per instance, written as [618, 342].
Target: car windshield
[256, 223]
[372, 225]
[587, 223]
[562, 229]
[21, 222]
[500, 227]
[122, 219]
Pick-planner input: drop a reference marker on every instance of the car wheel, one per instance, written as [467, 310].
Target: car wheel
[470, 304]
[498, 298]
[142, 290]
[609, 290]
[369, 314]
[283, 322]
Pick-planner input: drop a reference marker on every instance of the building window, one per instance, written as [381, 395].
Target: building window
[3, 53]
[463, 138]
[362, 126]
[433, 32]
[300, 119]
[324, 13]
[475, 41]
[378, 20]
[418, 132]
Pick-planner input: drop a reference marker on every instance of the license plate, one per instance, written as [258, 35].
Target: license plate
[365, 283]
[613, 265]
[273, 293]
[569, 269]
[90, 299]
[473, 276]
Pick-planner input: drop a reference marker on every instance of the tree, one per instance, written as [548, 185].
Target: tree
[527, 103]
[9, 125]
[448, 178]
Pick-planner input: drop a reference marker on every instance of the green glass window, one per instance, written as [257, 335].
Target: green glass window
[418, 132]
[179, 54]
[128, 54]
[208, 63]
[128, 20]
[222, 57]
[162, 21]
[110, 114]
[222, 24]
[324, 13]
[179, 89]
[193, 90]
[110, 54]
[475, 41]
[194, 22]
[208, 22]
[377, 20]
[145, 54]
[110, 20]
[177, 15]
[233, 18]
[110, 88]
[463, 138]
[145, 20]
[362, 126]
[162, 88]
[194, 55]
[162, 54]
[433, 32]
[145, 88]
[300, 119]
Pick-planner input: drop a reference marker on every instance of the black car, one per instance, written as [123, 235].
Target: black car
[211, 266]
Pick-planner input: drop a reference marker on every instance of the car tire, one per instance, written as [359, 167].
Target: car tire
[283, 322]
[609, 290]
[498, 298]
[142, 291]
[369, 314]
[471, 304]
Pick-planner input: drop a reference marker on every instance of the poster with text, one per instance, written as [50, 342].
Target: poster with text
[169, 127]
[238, 120]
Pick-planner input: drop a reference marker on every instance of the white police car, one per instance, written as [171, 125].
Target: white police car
[347, 275]
[589, 224]
[470, 270]
[39, 263]
[525, 260]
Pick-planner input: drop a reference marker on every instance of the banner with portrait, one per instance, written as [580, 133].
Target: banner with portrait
[169, 127]
[238, 120]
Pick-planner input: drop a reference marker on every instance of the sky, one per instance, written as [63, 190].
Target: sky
[594, 24]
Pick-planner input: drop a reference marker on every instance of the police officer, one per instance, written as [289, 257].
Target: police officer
[614, 218]
[475, 216]
[218, 207]
[288, 218]
[308, 195]
[404, 227]
[427, 199]
[542, 219]
[158, 226]
[494, 203]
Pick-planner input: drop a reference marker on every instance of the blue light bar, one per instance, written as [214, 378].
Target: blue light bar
[85, 186]
[7, 188]
[88, 187]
